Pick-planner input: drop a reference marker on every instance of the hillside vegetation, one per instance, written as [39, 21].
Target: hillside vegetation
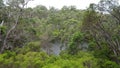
[59, 38]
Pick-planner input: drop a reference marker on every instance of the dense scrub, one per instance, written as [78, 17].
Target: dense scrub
[80, 38]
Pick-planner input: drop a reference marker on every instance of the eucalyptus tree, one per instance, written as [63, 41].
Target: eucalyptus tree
[102, 23]
[40, 11]
[111, 9]
[14, 11]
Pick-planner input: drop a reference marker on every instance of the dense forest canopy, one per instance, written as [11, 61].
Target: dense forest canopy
[59, 38]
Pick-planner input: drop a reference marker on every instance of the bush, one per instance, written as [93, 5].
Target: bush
[30, 47]
[28, 60]
[76, 39]
[80, 60]
[110, 64]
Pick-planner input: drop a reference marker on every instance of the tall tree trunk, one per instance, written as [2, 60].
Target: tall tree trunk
[7, 35]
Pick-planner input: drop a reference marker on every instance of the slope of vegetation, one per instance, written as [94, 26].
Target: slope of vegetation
[59, 38]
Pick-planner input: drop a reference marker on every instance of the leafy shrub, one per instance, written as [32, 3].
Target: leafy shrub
[80, 60]
[30, 47]
[76, 39]
[28, 60]
[109, 64]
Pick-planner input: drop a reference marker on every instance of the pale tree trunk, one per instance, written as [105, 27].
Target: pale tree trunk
[19, 13]
[7, 35]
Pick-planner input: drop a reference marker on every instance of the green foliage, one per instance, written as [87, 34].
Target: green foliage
[3, 30]
[82, 60]
[109, 64]
[42, 60]
[39, 28]
[74, 43]
[30, 59]
[31, 46]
